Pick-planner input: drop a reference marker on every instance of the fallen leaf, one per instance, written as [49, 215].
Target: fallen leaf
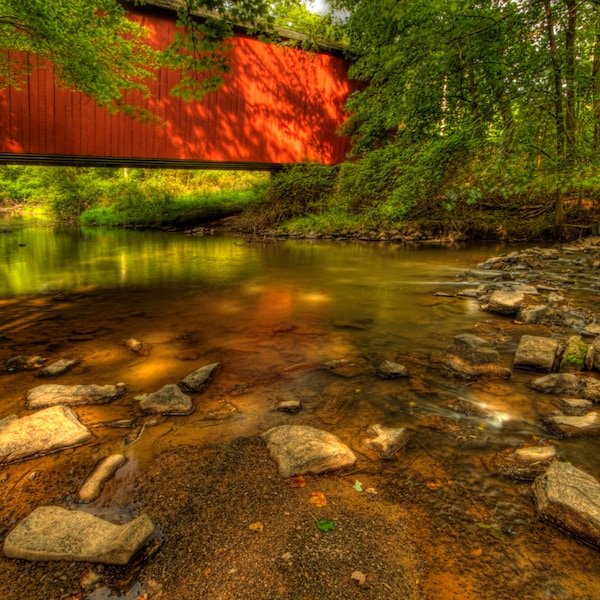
[324, 525]
[256, 527]
[371, 491]
[295, 481]
[432, 485]
[358, 486]
[476, 552]
[318, 499]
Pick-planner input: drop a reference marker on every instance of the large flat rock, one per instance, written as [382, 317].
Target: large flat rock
[45, 431]
[299, 449]
[535, 352]
[54, 533]
[569, 498]
[52, 395]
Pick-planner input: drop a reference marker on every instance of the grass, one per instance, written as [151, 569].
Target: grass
[159, 208]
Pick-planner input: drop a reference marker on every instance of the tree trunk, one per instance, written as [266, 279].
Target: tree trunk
[559, 207]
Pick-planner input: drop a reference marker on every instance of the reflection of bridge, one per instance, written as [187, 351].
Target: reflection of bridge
[277, 106]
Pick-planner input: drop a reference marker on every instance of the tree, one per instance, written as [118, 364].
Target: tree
[515, 82]
[97, 50]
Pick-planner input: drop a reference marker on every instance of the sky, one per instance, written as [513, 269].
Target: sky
[318, 6]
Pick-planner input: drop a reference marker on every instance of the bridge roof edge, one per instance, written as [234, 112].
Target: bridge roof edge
[324, 46]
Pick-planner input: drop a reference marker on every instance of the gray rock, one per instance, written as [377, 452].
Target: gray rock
[387, 440]
[474, 350]
[43, 432]
[558, 383]
[54, 533]
[198, 379]
[70, 395]
[505, 302]
[534, 314]
[590, 389]
[103, 471]
[592, 358]
[569, 498]
[290, 406]
[538, 353]
[169, 400]
[391, 370]
[591, 330]
[574, 406]
[299, 449]
[573, 425]
[58, 367]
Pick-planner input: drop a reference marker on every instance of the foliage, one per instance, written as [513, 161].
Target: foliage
[95, 49]
[297, 190]
[131, 196]
[518, 81]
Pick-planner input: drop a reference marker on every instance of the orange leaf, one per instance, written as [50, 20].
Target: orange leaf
[318, 499]
[295, 481]
[432, 485]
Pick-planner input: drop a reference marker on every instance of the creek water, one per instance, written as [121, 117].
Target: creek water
[271, 314]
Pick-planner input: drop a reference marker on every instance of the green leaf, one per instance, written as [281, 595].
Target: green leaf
[358, 486]
[324, 525]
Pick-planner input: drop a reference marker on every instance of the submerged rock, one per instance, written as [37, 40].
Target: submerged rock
[169, 400]
[573, 425]
[300, 449]
[524, 463]
[465, 370]
[387, 440]
[51, 395]
[391, 370]
[54, 533]
[574, 406]
[474, 350]
[344, 367]
[137, 346]
[24, 363]
[58, 367]
[198, 379]
[557, 383]
[538, 353]
[43, 432]
[471, 357]
[569, 498]
[103, 471]
[290, 406]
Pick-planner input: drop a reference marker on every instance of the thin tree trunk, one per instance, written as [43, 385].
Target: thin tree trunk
[596, 83]
[559, 206]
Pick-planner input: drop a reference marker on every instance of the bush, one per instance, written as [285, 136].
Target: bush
[297, 190]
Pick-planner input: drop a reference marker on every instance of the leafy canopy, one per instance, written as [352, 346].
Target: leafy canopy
[97, 50]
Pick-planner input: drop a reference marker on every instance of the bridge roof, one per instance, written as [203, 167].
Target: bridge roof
[322, 45]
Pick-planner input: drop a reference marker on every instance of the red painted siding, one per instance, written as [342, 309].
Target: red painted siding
[277, 105]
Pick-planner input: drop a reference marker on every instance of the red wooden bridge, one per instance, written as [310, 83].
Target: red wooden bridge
[278, 105]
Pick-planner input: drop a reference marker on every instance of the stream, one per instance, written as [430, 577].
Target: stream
[270, 314]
